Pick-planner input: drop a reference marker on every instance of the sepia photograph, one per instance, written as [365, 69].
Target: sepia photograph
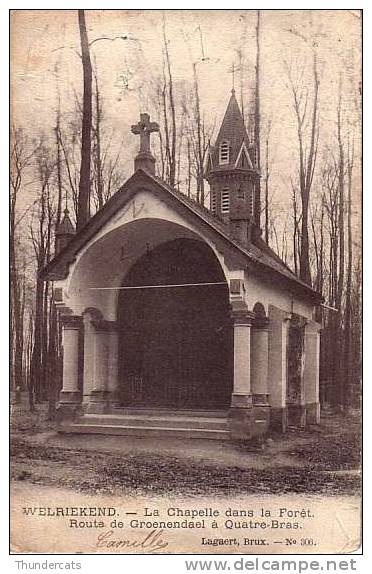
[185, 281]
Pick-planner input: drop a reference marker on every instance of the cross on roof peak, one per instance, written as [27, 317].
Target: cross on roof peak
[144, 128]
[232, 70]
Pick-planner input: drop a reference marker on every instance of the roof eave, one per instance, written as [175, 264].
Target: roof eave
[70, 251]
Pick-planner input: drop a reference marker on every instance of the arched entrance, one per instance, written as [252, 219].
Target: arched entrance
[175, 343]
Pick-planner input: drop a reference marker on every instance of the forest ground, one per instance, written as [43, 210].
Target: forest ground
[323, 460]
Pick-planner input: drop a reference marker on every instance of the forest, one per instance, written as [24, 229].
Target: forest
[79, 80]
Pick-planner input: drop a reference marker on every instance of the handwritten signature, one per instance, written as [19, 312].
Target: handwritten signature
[151, 543]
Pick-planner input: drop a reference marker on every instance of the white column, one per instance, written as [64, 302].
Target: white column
[105, 365]
[70, 340]
[113, 381]
[311, 372]
[89, 340]
[241, 400]
[241, 427]
[242, 358]
[100, 359]
[259, 361]
[277, 371]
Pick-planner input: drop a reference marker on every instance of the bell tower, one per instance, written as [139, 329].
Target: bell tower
[233, 177]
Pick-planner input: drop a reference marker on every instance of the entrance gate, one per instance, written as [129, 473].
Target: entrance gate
[175, 341]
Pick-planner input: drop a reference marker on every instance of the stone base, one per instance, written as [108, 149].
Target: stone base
[278, 419]
[261, 399]
[296, 416]
[113, 398]
[98, 403]
[249, 416]
[69, 406]
[240, 422]
[312, 413]
[241, 401]
[261, 420]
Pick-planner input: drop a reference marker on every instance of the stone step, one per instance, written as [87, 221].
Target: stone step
[153, 432]
[156, 420]
[170, 412]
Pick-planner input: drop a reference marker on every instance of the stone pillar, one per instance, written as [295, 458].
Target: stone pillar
[241, 400]
[295, 394]
[70, 396]
[89, 340]
[311, 372]
[277, 373]
[113, 374]
[259, 374]
[100, 395]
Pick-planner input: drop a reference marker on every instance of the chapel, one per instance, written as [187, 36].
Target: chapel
[180, 320]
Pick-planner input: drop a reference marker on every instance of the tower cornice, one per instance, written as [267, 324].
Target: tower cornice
[233, 173]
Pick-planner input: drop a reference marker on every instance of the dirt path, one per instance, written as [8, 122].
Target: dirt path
[319, 460]
[190, 470]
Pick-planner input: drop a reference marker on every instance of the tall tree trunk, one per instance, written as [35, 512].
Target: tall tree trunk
[30, 377]
[58, 166]
[98, 158]
[83, 213]
[257, 119]
[341, 261]
[173, 138]
[18, 308]
[307, 161]
[189, 165]
[37, 352]
[348, 302]
[199, 143]
[168, 154]
[53, 361]
[267, 175]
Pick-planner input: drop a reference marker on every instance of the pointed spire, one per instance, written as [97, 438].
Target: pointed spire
[66, 227]
[233, 178]
[64, 233]
[233, 132]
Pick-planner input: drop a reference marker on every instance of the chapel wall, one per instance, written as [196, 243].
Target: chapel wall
[270, 293]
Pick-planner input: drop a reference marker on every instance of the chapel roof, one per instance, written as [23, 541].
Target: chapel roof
[257, 253]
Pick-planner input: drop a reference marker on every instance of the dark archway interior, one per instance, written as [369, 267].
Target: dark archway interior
[175, 343]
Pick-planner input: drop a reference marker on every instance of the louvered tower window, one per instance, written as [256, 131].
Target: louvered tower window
[225, 200]
[224, 152]
[213, 202]
[251, 203]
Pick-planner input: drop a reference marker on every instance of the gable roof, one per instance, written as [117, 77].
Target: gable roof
[233, 131]
[244, 152]
[258, 256]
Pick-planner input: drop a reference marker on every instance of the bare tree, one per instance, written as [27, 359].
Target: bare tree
[41, 237]
[348, 325]
[106, 173]
[257, 111]
[84, 183]
[296, 236]
[97, 143]
[317, 227]
[267, 177]
[257, 115]
[168, 98]
[306, 112]
[198, 135]
[21, 153]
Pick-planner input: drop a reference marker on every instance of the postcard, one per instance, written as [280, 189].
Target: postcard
[185, 279]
